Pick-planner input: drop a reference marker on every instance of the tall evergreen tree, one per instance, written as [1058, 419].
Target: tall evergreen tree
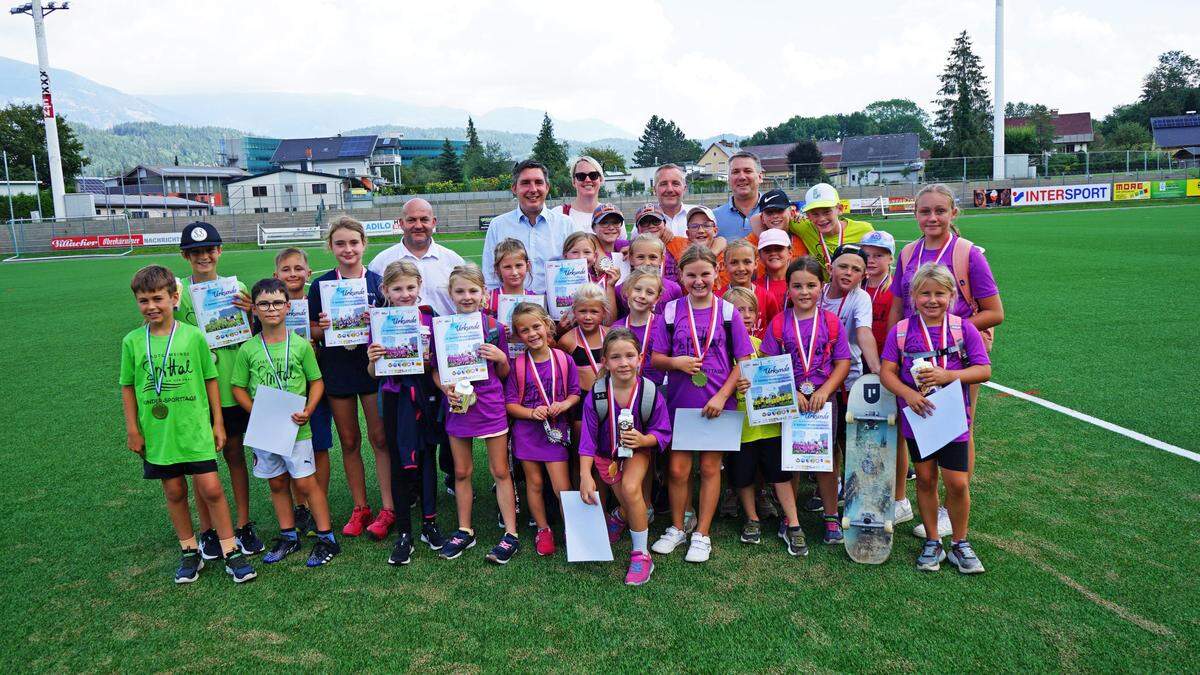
[473, 156]
[806, 158]
[448, 163]
[663, 141]
[472, 136]
[549, 151]
[963, 119]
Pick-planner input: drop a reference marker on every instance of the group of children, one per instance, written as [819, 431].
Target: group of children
[587, 401]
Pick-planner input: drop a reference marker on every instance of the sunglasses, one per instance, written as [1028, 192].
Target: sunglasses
[587, 175]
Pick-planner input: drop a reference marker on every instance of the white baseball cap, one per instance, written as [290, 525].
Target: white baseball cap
[820, 196]
[773, 238]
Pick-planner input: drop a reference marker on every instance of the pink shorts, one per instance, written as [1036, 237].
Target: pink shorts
[610, 470]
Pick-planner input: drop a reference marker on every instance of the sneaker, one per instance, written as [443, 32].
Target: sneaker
[841, 494]
[402, 550]
[306, 525]
[751, 532]
[281, 548]
[359, 519]
[640, 569]
[729, 504]
[379, 528]
[904, 512]
[616, 526]
[237, 565]
[190, 564]
[460, 541]
[962, 556]
[323, 551]
[448, 481]
[814, 503]
[210, 545]
[689, 521]
[543, 542]
[504, 550]
[911, 475]
[931, 557]
[944, 527]
[833, 531]
[669, 541]
[431, 535]
[796, 544]
[247, 541]
[699, 550]
[764, 503]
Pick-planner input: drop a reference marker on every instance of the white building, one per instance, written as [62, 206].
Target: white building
[285, 190]
[147, 206]
[345, 156]
[18, 187]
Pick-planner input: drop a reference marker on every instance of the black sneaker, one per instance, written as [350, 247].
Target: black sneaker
[912, 474]
[460, 541]
[210, 545]
[431, 535]
[751, 532]
[237, 565]
[306, 525]
[814, 503]
[281, 548]
[402, 551]
[323, 551]
[247, 540]
[190, 564]
[796, 544]
[503, 551]
[448, 481]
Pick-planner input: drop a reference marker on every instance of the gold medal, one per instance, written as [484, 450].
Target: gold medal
[807, 388]
[700, 379]
[159, 410]
[612, 469]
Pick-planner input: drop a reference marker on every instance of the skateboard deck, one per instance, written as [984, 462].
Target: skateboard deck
[870, 474]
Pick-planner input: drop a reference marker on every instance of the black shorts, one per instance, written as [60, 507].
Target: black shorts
[165, 471]
[953, 455]
[236, 420]
[765, 454]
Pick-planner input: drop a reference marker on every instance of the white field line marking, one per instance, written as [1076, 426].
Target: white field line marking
[1128, 433]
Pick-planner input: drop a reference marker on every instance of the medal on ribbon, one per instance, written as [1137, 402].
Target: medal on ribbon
[806, 358]
[587, 349]
[159, 409]
[287, 361]
[553, 434]
[699, 378]
[613, 429]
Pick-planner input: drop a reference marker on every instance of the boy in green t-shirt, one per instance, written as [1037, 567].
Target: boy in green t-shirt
[168, 391]
[200, 245]
[279, 358]
[824, 228]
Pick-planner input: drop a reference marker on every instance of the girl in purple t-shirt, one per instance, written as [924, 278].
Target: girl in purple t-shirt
[641, 291]
[951, 349]
[699, 341]
[820, 355]
[542, 387]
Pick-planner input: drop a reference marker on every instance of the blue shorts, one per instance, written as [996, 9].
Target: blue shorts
[321, 423]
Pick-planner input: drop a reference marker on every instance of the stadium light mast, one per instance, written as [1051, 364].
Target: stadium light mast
[57, 186]
[998, 102]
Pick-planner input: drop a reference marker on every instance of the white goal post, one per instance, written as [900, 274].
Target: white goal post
[64, 238]
[288, 236]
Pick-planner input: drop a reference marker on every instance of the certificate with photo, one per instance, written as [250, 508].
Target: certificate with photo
[563, 278]
[222, 322]
[297, 319]
[457, 339]
[772, 394]
[504, 309]
[808, 441]
[345, 303]
[398, 331]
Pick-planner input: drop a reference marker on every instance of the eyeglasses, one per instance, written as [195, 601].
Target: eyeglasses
[587, 175]
[700, 226]
[609, 223]
[268, 305]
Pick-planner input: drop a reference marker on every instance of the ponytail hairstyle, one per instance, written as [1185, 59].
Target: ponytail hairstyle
[695, 253]
[943, 190]
[345, 223]
[612, 337]
[534, 310]
[932, 273]
[639, 273]
[509, 247]
[592, 294]
[468, 272]
[399, 269]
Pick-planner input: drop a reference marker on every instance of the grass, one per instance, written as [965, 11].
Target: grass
[1089, 538]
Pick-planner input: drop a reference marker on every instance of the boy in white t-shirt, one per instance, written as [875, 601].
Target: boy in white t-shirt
[845, 297]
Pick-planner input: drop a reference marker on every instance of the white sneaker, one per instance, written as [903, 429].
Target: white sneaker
[689, 522]
[700, 549]
[669, 541]
[944, 528]
[904, 512]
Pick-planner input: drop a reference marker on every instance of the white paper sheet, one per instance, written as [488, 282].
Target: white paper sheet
[693, 431]
[587, 535]
[271, 428]
[947, 422]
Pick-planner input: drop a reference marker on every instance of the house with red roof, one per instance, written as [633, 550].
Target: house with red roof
[1072, 131]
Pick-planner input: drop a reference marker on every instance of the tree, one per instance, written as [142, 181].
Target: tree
[806, 157]
[1128, 136]
[24, 138]
[663, 141]
[798, 128]
[549, 151]
[420, 171]
[1036, 135]
[1173, 87]
[899, 116]
[473, 152]
[472, 136]
[448, 163]
[610, 159]
[493, 160]
[963, 119]
[1018, 109]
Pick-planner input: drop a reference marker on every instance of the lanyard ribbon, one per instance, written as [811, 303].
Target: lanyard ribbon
[162, 370]
[945, 338]
[712, 329]
[287, 360]
[825, 248]
[613, 433]
[587, 349]
[537, 379]
[880, 287]
[806, 359]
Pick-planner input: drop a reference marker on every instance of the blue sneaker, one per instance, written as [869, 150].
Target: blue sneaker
[323, 551]
[190, 564]
[460, 541]
[247, 540]
[402, 551]
[931, 556]
[431, 535]
[833, 531]
[281, 548]
[238, 567]
[503, 551]
[210, 545]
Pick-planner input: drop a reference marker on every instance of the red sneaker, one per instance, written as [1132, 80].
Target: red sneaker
[379, 529]
[543, 542]
[358, 520]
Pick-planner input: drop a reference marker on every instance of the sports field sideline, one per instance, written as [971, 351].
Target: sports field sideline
[1089, 537]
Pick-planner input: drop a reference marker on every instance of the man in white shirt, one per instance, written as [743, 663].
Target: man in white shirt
[670, 185]
[540, 229]
[417, 245]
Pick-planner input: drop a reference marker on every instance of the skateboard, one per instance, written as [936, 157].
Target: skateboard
[870, 471]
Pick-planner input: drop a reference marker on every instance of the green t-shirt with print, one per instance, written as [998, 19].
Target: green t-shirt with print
[251, 368]
[185, 434]
[222, 356]
[760, 432]
[852, 232]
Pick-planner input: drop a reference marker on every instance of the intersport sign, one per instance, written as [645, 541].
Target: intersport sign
[1062, 194]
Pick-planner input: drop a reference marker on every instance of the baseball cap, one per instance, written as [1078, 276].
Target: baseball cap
[775, 199]
[606, 210]
[880, 239]
[647, 211]
[851, 249]
[820, 196]
[773, 238]
[701, 209]
[199, 235]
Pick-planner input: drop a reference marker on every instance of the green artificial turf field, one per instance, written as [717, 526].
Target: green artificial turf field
[1090, 539]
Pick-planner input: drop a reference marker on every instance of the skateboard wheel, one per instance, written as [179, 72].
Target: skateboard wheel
[845, 522]
[849, 417]
[888, 526]
[891, 420]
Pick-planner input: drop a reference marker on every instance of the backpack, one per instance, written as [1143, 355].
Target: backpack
[960, 267]
[833, 327]
[727, 314]
[645, 402]
[956, 334]
[558, 360]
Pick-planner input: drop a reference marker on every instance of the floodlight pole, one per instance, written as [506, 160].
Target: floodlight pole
[998, 102]
[57, 185]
